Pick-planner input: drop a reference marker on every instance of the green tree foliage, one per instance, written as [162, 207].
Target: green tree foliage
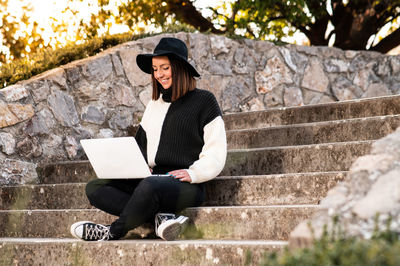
[352, 23]
[11, 25]
[346, 24]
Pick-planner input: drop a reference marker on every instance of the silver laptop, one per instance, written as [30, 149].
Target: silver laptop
[116, 158]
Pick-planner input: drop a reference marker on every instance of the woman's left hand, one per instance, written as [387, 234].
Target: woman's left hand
[181, 174]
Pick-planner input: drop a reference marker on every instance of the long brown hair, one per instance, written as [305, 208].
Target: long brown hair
[182, 80]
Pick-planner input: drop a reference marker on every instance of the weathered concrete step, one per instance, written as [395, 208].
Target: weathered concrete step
[300, 188]
[65, 172]
[247, 222]
[325, 157]
[29, 251]
[369, 128]
[295, 159]
[388, 105]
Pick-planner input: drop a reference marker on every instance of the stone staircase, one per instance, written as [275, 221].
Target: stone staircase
[280, 163]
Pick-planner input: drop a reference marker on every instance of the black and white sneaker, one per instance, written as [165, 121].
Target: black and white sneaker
[169, 226]
[90, 231]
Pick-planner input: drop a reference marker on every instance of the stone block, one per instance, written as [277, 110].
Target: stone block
[293, 96]
[135, 76]
[93, 114]
[17, 172]
[121, 119]
[199, 51]
[219, 45]
[215, 84]
[336, 66]
[274, 98]
[145, 95]
[123, 95]
[63, 107]
[364, 78]
[314, 77]
[14, 113]
[274, 74]
[236, 93]
[13, 93]
[29, 147]
[98, 68]
[389, 145]
[7, 143]
[345, 90]
[42, 123]
[71, 147]
[255, 104]
[219, 67]
[93, 92]
[382, 198]
[105, 133]
[244, 61]
[376, 90]
[52, 148]
[294, 60]
[118, 67]
[57, 76]
[39, 89]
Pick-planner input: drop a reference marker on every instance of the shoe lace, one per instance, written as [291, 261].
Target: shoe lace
[98, 232]
[162, 217]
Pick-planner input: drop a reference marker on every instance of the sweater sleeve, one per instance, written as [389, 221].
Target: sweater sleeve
[213, 154]
[141, 140]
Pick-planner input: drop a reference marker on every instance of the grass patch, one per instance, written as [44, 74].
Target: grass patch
[382, 249]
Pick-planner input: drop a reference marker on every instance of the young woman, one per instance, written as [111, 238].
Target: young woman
[181, 134]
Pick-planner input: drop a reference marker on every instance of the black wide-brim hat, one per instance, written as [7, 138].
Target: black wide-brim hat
[169, 47]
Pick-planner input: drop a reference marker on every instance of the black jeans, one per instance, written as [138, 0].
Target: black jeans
[137, 201]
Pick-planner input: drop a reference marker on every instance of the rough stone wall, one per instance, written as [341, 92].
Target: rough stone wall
[44, 118]
[367, 200]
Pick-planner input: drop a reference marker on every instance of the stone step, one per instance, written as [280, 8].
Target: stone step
[369, 128]
[65, 172]
[246, 222]
[31, 251]
[379, 106]
[300, 188]
[324, 157]
[295, 159]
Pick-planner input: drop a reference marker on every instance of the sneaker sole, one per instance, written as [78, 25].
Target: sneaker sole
[171, 229]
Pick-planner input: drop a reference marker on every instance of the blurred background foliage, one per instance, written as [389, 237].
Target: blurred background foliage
[346, 24]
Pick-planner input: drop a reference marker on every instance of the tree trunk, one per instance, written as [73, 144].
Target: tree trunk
[391, 41]
[187, 13]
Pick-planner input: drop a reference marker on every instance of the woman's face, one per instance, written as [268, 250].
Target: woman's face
[162, 71]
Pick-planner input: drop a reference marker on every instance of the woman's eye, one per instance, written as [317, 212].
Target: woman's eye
[166, 68]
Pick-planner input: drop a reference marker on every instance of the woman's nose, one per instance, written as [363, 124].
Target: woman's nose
[159, 74]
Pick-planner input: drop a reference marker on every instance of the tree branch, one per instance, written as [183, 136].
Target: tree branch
[249, 30]
[388, 43]
[187, 13]
[230, 22]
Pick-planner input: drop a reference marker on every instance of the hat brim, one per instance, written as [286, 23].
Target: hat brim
[144, 61]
